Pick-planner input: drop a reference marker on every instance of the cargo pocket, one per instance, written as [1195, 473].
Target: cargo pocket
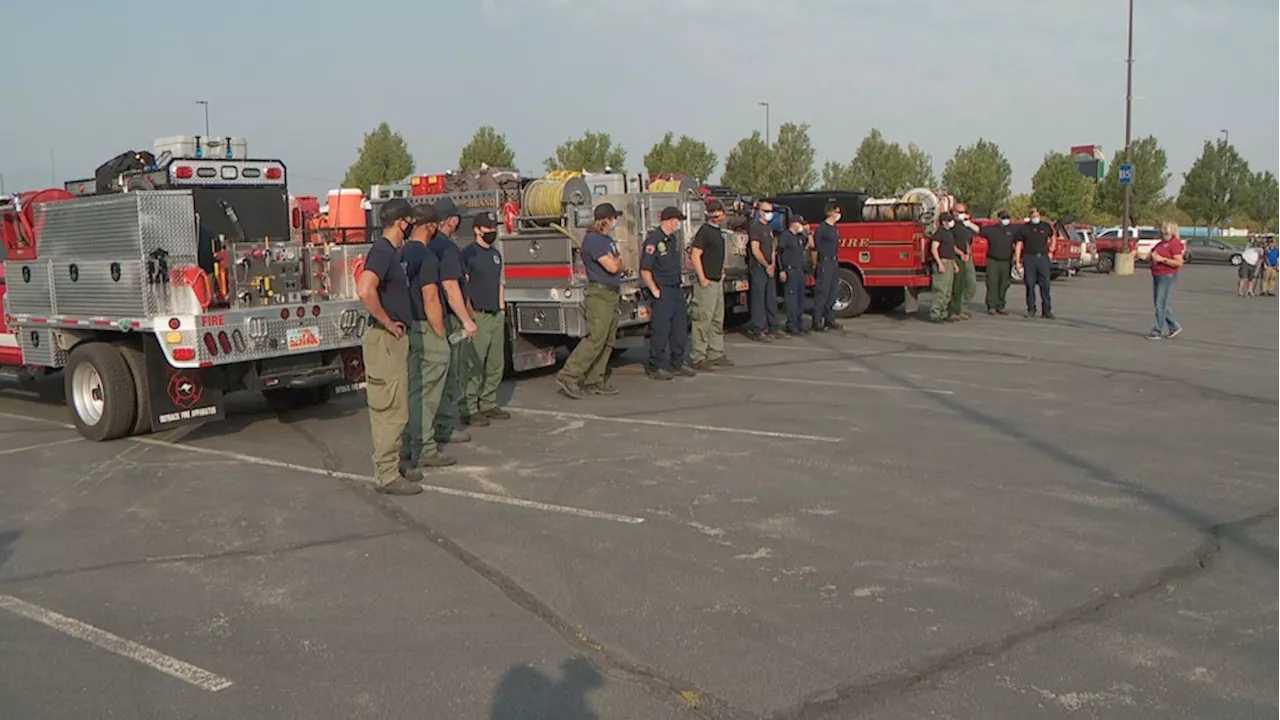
[380, 394]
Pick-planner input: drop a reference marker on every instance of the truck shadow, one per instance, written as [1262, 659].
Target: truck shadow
[526, 693]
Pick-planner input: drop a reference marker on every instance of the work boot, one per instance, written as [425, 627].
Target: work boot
[1031, 313]
[705, 366]
[658, 374]
[572, 388]
[438, 460]
[953, 318]
[1049, 316]
[476, 420]
[399, 486]
[991, 311]
[723, 361]
[779, 335]
[964, 315]
[757, 337]
[603, 388]
[835, 326]
[409, 472]
[819, 328]
[684, 370]
[1001, 311]
[497, 414]
[457, 436]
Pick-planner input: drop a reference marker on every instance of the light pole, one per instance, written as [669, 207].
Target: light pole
[765, 105]
[1126, 220]
[1226, 135]
[205, 103]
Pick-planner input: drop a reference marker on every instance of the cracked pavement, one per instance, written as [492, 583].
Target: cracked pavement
[1000, 518]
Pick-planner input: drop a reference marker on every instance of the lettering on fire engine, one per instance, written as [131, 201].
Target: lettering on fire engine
[855, 242]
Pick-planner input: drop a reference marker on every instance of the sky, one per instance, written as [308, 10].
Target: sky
[303, 80]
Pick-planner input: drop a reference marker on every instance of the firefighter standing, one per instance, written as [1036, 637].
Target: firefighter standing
[428, 347]
[486, 353]
[457, 320]
[662, 268]
[707, 258]
[383, 288]
[942, 248]
[826, 242]
[1033, 248]
[1000, 239]
[791, 259]
[586, 370]
[965, 285]
[761, 263]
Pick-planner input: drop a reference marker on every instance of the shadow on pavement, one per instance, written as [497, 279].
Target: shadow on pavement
[7, 538]
[526, 693]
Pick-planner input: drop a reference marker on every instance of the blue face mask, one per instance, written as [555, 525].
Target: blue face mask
[768, 217]
[1035, 221]
[1004, 221]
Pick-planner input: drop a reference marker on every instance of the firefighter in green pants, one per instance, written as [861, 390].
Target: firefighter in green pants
[458, 323]
[586, 370]
[999, 263]
[486, 354]
[966, 281]
[942, 248]
[428, 348]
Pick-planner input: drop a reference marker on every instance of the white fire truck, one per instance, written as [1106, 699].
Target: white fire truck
[157, 289]
[541, 244]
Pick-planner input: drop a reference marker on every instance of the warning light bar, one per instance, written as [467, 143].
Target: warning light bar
[226, 172]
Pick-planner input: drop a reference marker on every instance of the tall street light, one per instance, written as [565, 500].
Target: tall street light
[765, 105]
[1226, 135]
[205, 103]
[1126, 220]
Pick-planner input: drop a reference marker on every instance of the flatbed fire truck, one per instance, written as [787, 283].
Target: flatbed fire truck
[541, 242]
[168, 280]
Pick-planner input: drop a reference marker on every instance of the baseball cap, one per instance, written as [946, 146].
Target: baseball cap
[446, 208]
[671, 213]
[425, 213]
[946, 216]
[485, 219]
[1003, 214]
[606, 211]
[395, 209]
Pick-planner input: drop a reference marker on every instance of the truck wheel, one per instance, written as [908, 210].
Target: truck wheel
[100, 391]
[134, 358]
[852, 299]
[887, 299]
[1106, 262]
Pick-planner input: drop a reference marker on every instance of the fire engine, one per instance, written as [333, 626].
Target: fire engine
[883, 251]
[168, 280]
[541, 241]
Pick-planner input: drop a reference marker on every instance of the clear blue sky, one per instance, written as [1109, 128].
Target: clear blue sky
[303, 81]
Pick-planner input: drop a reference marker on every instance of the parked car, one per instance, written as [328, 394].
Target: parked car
[1088, 247]
[1109, 243]
[1209, 250]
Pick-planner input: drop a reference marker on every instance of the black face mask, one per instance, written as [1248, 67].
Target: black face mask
[490, 236]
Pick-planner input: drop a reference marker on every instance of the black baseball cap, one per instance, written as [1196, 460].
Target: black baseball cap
[946, 216]
[395, 209]
[425, 213]
[671, 213]
[446, 208]
[1003, 214]
[797, 219]
[485, 219]
[606, 211]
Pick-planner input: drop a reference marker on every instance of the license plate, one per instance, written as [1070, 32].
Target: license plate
[303, 338]
[739, 284]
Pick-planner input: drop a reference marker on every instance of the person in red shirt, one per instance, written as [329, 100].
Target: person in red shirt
[1166, 259]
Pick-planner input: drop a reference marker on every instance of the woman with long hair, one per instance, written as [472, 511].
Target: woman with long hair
[1166, 260]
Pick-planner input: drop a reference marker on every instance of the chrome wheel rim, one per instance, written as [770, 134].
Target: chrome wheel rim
[87, 394]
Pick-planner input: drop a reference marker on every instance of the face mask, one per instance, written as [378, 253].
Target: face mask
[490, 236]
[1004, 221]
[948, 225]
[1035, 221]
[964, 216]
[768, 217]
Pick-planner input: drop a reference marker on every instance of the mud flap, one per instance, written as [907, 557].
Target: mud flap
[352, 372]
[180, 396]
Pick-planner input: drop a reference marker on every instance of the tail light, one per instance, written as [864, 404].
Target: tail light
[184, 354]
[224, 342]
[274, 173]
[183, 172]
[210, 344]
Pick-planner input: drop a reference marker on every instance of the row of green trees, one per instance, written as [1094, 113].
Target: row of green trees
[1218, 189]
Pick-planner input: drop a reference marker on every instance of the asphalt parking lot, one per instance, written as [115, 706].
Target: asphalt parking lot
[998, 518]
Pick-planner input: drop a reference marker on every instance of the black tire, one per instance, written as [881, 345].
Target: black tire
[112, 395]
[1106, 262]
[137, 363]
[887, 299]
[1236, 260]
[850, 287]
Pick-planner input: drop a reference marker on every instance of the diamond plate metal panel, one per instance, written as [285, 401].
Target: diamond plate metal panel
[99, 228]
[548, 319]
[28, 289]
[40, 347]
[100, 288]
[166, 221]
[259, 334]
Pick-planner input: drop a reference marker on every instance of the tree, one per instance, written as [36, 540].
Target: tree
[793, 159]
[487, 147]
[1150, 179]
[979, 176]
[1059, 190]
[881, 168]
[1261, 201]
[1216, 184]
[593, 152]
[1019, 206]
[384, 158]
[685, 155]
[749, 167]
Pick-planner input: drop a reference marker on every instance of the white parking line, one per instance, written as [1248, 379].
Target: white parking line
[835, 383]
[42, 421]
[680, 425]
[482, 497]
[154, 659]
[973, 336]
[10, 451]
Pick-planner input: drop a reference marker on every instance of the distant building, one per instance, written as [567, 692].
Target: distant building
[1090, 161]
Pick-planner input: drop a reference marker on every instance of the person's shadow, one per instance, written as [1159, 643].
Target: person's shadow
[526, 693]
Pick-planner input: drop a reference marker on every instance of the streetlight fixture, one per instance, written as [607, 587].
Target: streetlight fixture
[1226, 135]
[765, 105]
[205, 103]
